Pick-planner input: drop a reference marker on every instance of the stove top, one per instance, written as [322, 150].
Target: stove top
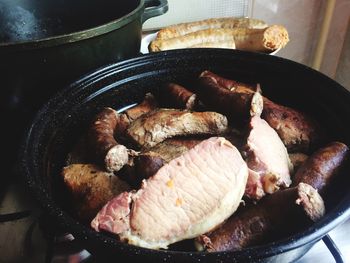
[26, 236]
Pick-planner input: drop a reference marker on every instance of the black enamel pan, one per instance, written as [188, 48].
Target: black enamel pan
[60, 122]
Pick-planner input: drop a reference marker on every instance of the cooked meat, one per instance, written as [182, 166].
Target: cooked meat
[149, 162]
[254, 188]
[174, 147]
[148, 104]
[107, 126]
[229, 84]
[189, 196]
[297, 131]
[276, 216]
[257, 40]
[91, 188]
[233, 99]
[297, 159]
[158, 125]
[268, 157]
[176, 96]
[226, 22]
[322, 167]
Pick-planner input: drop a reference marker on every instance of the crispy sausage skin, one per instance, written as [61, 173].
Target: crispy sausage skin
[320, 169]
[177, 96]
[279, 214]
[109, 125]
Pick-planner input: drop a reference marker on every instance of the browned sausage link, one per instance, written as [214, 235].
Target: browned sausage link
[234, 103]
[177, 96]
[102, 141]
[320, 169]
[107, 126]
[277, 215]
[228, 83]
[297, 131]
[159, 125]
[148, 104]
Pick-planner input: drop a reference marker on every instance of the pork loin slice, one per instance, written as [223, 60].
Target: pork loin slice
[158, 125]
[189, 196]
[268, 160]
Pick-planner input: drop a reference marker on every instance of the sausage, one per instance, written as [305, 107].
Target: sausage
[109, 125]
[297, 130]
[186, 28]
[277, 215]
[91, 188]
[261, 40]
[297, 159]
[234, 103]
[322, 167]
[102, 142]
[149, 103]
[216, 44]
[177, 96]
[258, 40]
[229, 84]
[192, 39]
[156, 126]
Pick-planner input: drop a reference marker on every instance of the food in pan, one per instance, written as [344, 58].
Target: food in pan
[322, 167]
[187, 197]
[296, 129]
[92, 187]
[158, 125]
[108, 125]
[235, 33]
[268, 220]
[193, 158]
[228, 22]
[267, 158]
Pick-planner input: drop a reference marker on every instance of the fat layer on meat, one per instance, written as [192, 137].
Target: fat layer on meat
[189, 196]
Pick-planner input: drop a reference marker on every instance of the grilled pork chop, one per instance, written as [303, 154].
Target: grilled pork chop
[189, 196]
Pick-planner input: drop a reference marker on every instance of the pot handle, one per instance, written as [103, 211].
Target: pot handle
[337, 255]
[154, 8]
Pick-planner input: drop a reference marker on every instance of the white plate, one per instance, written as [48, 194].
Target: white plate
[149, 37]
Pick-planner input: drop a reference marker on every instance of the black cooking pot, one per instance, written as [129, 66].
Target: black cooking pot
[60, 123]
[47, 44]
[44, 45]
